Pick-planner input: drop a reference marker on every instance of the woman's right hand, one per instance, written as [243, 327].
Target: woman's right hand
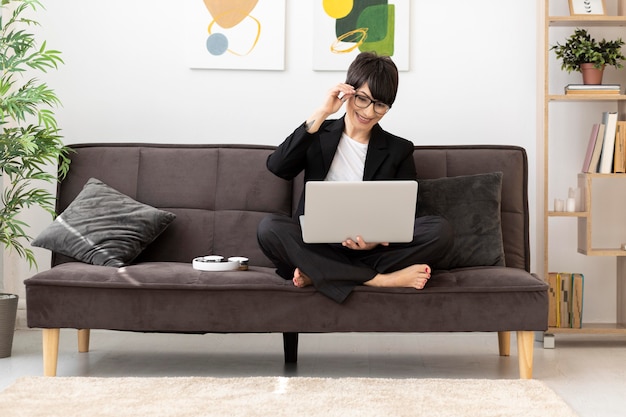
[335, 98]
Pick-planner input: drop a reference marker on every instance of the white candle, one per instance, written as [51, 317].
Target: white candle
[559, 205]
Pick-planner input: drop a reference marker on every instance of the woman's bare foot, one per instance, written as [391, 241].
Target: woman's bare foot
[300, 279]
[414, 276]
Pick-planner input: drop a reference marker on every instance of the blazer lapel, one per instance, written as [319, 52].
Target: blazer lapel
[329, 141]
[377, 152]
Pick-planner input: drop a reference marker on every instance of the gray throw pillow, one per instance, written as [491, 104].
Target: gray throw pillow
[104, 227]
[472, 206]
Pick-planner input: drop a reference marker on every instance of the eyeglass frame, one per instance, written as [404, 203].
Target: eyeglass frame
[359, 95]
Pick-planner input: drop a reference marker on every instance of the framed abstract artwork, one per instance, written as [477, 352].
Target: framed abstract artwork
[236, 34]
[344, 28]
[586, 7]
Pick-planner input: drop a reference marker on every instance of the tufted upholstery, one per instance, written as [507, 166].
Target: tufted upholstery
[219, 193]
[217, 212]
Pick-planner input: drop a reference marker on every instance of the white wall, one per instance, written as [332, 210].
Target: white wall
[126, 76]
[472, 80]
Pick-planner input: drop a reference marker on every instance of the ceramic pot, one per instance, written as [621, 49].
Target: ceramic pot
[8, 311]
[591, 74]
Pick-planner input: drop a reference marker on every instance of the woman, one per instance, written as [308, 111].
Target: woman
[352, 148]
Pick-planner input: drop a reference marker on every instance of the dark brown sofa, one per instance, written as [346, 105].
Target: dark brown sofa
[219, 193]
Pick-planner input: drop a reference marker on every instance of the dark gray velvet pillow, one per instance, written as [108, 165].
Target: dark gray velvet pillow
[104, 227]
[472, 206]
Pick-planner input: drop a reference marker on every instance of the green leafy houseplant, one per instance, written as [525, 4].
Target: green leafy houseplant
[580, 48]
[29, 138]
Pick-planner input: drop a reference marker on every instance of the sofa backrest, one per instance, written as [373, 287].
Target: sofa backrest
[219, 193]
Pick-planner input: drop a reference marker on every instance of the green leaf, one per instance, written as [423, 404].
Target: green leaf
[31, 150]
[581, 48]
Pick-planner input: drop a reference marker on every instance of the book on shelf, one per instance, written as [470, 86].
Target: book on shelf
[553, 291]
[590, 92]
[590, 146]
[593, 86]
[606, 147]
[576, 314]
[597, 150]
[565, 299]
[593, 89]
[619, 160]
[609, 119]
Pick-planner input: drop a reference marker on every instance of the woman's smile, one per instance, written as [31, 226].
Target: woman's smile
[362, 119]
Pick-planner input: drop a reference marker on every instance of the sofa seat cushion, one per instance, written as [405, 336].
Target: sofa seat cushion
[156, 275]
[185, 300]
[174, 275]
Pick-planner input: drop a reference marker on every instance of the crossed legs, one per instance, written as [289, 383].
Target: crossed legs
[335, 270]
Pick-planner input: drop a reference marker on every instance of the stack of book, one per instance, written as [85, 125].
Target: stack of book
[592, 89]
[565, 299]
[606, 150]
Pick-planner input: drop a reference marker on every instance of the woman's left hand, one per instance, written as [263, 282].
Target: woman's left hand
[360, 244]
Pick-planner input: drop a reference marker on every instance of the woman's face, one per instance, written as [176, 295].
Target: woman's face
[363, 110]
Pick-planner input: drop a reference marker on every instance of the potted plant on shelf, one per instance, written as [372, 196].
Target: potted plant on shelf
[581, 52]
[31, 150]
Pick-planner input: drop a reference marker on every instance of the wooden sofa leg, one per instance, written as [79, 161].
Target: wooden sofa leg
[50, 351]
[83, 340]
[290, 346]
[504, 343]
[525, 345]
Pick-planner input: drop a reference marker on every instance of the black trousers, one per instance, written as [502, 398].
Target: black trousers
[336, 270]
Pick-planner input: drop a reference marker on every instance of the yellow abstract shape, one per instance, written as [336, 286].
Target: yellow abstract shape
[229, 13]
[361, 31]
[256, 39]
[338, 9]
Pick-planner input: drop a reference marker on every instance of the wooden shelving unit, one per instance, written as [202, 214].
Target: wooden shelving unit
[585, 181]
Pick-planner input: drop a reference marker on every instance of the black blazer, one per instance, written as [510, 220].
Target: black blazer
[388, 156]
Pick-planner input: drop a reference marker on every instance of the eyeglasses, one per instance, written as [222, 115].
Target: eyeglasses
[364, 102]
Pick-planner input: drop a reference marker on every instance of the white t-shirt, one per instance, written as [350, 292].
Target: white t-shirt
[349, 160]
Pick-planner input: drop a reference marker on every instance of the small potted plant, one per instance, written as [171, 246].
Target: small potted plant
[581, 52]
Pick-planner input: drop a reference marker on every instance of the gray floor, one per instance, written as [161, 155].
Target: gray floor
[589, 372]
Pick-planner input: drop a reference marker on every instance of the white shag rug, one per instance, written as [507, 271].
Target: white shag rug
[278, 396]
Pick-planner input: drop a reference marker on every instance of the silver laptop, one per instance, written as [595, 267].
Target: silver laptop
[379, 211]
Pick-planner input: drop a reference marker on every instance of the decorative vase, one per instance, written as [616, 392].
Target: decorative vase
[591, 74]
[8, 311]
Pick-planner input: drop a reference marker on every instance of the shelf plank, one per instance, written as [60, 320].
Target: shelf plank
[598, 175]
[586, 97]
[593, 328]
[568, 214]
[602, 252]
[567, 21]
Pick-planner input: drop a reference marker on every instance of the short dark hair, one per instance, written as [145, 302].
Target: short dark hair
[379, 72]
